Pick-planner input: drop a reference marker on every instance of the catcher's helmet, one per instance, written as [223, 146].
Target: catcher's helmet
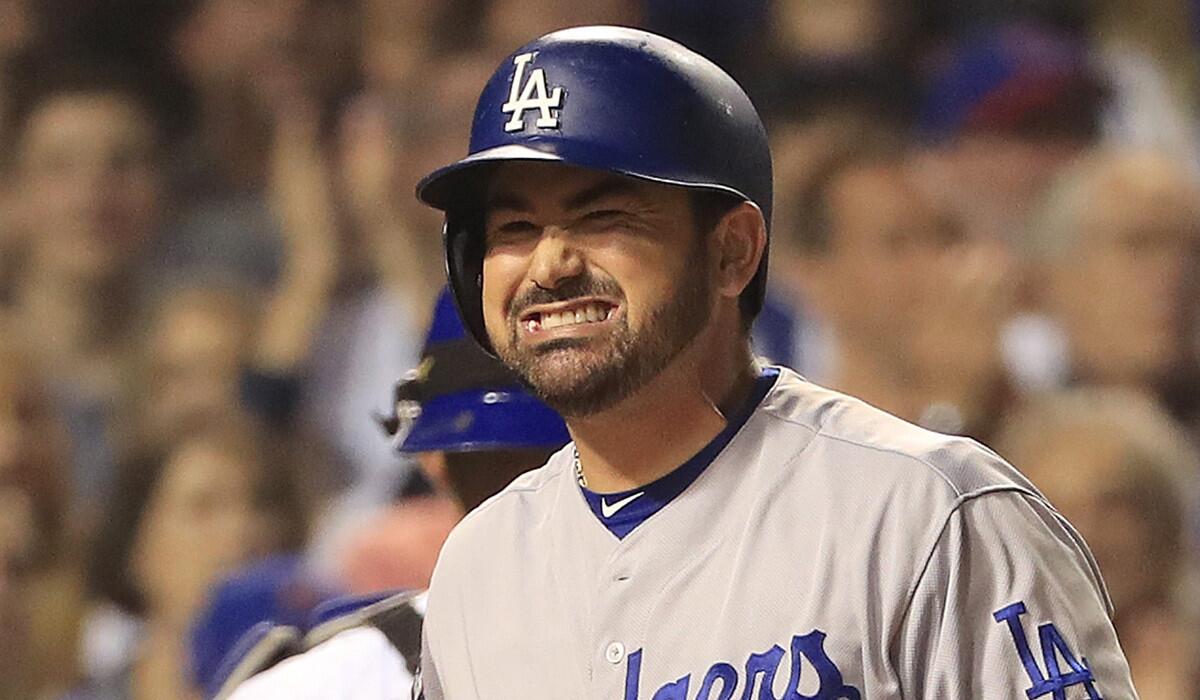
[604, 98]
[459, 399]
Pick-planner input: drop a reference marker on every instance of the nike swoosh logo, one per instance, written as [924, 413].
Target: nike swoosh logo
[610, 509]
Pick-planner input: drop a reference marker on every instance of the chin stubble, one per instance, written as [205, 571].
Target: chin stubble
[579, 377]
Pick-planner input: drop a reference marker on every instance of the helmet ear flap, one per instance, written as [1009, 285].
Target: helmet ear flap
[465, 245]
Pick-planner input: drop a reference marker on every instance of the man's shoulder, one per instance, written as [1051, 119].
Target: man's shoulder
[529, 488]
[528, 499]
[854, 442]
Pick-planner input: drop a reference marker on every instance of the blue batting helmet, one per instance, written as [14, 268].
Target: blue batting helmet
[604, 98]
[460, 399]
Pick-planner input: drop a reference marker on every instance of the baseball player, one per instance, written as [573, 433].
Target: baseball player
[464, 416]
[717, 528]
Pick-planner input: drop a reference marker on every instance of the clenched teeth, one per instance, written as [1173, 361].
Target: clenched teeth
[586, 314]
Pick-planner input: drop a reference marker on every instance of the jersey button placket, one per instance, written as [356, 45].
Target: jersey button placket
[619, 614]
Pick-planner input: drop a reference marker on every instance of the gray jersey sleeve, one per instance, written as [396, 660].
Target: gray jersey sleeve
[1010, 605]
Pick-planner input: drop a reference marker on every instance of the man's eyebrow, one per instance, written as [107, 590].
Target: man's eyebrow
[511, 201]
[602, 189]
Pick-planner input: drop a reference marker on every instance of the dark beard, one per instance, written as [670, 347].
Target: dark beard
[579, 377]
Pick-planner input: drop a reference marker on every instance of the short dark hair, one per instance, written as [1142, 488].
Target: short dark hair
[709, 207]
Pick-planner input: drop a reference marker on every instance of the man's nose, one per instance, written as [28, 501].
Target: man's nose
[555, 258]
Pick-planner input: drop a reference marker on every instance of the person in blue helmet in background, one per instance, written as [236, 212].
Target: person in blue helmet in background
[473, 429]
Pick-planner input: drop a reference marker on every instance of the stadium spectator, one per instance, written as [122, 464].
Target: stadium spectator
[1117, 242]
[250, 66]
[193, 349]
[222, 497]
[1004, 108]
[88, 199]
[911, 310]
[40, 582]
[1120, 470]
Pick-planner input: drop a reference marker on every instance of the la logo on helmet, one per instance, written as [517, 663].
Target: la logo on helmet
[533, 95]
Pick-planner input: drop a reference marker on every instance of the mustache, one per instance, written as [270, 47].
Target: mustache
[567, 290]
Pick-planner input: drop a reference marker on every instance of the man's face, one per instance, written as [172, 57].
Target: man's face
[92, 189]
[1124, 293]
[592, 283]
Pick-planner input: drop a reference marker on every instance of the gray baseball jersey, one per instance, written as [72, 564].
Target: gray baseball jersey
[819, 548]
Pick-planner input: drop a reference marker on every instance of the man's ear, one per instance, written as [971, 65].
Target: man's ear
[740, 241]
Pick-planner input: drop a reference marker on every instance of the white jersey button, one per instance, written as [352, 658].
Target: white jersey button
[615, 652]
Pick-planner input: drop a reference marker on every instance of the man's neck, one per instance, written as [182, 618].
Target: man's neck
[665, 423]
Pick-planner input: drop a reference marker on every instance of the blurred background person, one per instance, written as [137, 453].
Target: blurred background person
[88, 195]
[907, 311]
[1118, 467]
[1002, 108]
[221, 497]
[1117, 243]
[41, 589]
[195, 342]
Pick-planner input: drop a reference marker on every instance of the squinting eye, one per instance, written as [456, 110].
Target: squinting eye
[510, 231]
[604, 214]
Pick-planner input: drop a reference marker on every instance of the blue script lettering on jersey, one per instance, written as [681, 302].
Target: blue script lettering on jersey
[722, 679]
[1054, 681]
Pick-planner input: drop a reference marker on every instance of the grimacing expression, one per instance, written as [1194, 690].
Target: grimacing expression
[592, 283]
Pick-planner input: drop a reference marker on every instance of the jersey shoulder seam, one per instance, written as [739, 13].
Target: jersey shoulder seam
[954, 509]
[820, 432]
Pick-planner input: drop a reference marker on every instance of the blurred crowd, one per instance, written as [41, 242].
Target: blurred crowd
[213, 271]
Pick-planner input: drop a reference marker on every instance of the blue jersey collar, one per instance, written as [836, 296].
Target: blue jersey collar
[623, 511]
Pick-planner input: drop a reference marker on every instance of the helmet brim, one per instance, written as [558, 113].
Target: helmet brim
[445, 187]
[459, 185]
